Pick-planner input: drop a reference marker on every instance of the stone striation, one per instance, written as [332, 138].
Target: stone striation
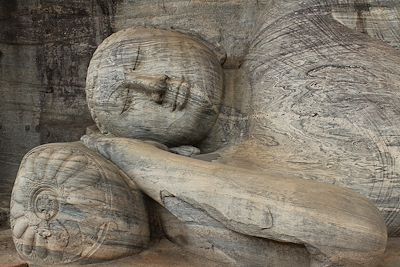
[45, 48]
[70, 205]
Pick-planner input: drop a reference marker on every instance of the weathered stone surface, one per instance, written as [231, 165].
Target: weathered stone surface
[307, 95]
[337, 225]
[164, 253]
[378, 19]
[180, 75]
[328, 113]
[195, 231]
[70, 205]
[327, 78]
[45, 48]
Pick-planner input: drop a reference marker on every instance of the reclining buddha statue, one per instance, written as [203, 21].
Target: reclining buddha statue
[292, 161]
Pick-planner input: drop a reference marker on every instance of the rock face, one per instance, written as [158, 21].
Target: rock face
[330, 113]
[284, 142]
[45, 48]
[71, 205]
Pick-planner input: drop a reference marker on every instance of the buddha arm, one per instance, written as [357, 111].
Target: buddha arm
[336, 225]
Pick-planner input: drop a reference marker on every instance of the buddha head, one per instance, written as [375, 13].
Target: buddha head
[154, 84]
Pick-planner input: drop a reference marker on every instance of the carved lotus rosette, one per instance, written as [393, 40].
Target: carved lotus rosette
[70, 205]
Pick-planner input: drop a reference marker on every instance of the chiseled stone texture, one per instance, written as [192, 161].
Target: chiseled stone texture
[154, 84]
[69, 205]
[45, 48]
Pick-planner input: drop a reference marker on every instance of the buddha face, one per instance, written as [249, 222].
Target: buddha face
[154, 84]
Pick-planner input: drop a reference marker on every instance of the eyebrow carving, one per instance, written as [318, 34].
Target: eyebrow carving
[137, 58]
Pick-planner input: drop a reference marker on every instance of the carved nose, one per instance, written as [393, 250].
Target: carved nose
[155, 86]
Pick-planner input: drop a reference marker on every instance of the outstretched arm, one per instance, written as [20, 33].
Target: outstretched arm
[337, 225]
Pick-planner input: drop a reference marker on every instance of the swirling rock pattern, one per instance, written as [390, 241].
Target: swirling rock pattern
[325, 100]
[323, 107]
[70, 205]
[338, 226]
[194, 230]
[154, 84]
